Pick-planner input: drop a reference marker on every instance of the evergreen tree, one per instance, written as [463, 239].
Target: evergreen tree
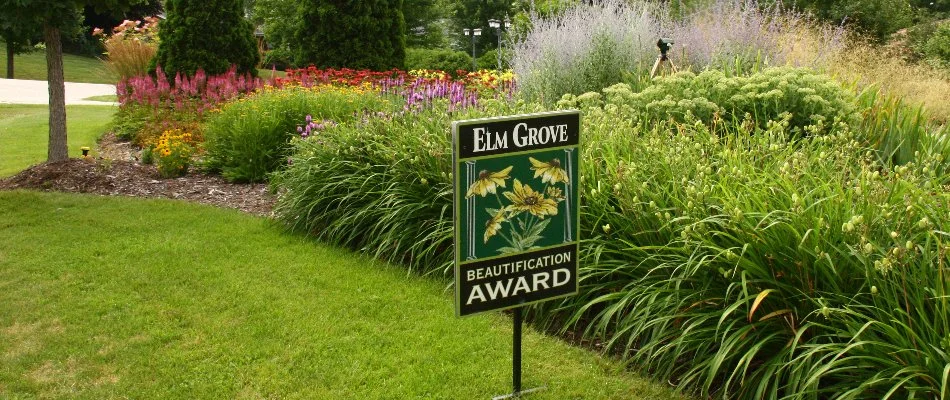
[211, 35]
[351, 33]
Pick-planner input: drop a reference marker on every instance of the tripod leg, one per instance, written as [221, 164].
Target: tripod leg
[656, 65]
[673, 67]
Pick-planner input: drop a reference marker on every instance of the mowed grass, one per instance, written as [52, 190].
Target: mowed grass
[75, 68]
[24, 133]
[116, 297]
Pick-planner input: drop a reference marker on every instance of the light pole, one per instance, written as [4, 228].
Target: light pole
[474, 32]
[494, 23]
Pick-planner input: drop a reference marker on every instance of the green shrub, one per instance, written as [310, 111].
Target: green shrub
[793, 95]
[358, 34]
[937, 47]
[438, 59]
[249, 138]
[211, 35]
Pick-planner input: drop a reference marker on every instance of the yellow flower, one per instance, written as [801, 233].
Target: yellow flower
[488, 182]
[555, 194]
[494, 224]
[550, 172]
[523, 198]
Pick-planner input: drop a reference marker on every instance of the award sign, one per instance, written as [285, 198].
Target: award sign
[516, 210]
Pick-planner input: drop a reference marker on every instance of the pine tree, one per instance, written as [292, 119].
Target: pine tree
[211, 35]
[351, 33]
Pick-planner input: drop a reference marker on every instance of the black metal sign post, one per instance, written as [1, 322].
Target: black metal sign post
[516, 215]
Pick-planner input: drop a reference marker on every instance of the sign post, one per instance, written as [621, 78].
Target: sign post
[516, 215]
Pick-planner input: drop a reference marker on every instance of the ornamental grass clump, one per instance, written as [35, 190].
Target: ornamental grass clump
[249, 138]
[381, 185]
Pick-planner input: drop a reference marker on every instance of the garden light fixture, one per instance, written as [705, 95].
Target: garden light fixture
[473, 32]
[496, 24]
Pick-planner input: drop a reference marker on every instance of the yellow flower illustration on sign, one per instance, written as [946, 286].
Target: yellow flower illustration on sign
[494, 224]
[488, 182]
[550, 172]
[523, 198]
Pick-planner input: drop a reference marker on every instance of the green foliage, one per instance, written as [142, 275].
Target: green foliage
[489, 60]
[877, 18]
[351, 33]
[424, 23]
[211, 35]
[438, 59]
[472, 14]
[800, 99]
[249, 138]
[937, 47]
[382, 185]
[778, 268]
[900, 133]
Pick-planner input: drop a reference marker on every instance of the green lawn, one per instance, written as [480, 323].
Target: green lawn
[115, 298]
[24, 133]
[75, 68]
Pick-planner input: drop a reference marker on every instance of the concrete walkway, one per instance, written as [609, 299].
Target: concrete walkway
[21, 91]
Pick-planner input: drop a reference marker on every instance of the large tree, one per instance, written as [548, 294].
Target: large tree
[351, 33]
[56, 16]
[211, 35]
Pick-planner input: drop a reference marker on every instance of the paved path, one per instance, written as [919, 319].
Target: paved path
[21, 91]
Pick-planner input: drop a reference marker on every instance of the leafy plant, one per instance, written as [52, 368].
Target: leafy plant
[249, 138]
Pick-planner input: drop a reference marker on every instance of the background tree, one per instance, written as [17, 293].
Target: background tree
[18, 36]
[877, 18]
[211, 35]
[55, 16]
[278, 20]
[351, 33]
[426, 23]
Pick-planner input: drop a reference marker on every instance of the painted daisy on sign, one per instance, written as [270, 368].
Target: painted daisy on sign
[488, 182]
[525, 199]
[550, 172]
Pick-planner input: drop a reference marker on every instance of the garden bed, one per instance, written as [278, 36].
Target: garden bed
[116, 177]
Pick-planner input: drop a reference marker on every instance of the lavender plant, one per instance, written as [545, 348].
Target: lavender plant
[589, 47]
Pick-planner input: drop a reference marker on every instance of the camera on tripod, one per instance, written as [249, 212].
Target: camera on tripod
[665, 44]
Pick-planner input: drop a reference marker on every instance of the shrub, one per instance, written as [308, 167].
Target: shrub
[800, 98]
[173, 153]
[438, 59]
[354, 34]
[937, 47]
[249, 137]
[187, 45]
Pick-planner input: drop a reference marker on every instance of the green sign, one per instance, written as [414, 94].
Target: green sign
[516, 209]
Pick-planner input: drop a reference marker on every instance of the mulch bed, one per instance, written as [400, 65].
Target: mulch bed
[122, 176]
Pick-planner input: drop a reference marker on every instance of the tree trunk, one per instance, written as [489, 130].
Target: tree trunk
[9, 61]
[58, 151]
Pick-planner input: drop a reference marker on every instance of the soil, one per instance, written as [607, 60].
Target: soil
[117, 172]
